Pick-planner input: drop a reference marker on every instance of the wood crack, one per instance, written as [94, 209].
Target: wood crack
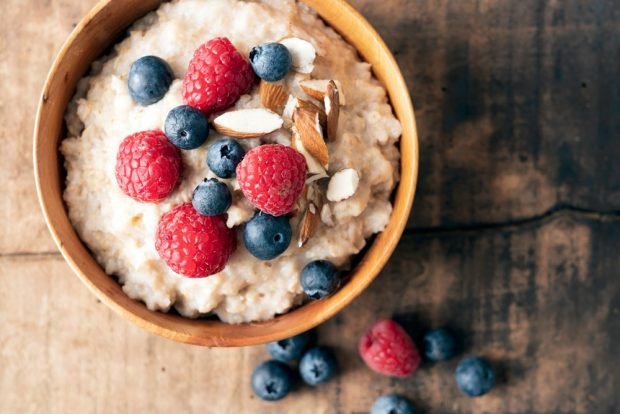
[562, 210]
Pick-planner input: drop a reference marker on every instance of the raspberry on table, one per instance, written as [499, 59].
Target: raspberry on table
[387, 349]
[194, 245]
[216, 77]
[272, 177]
[148, 166]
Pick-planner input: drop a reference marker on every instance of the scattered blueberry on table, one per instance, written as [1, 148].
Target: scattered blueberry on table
[319, 279]
[149, 79]
[474, 376]
[272, 380]
[211, 198]
[317, 366]
[186, 127]
[439, 345]
[271, 61]
[223, 156]
[266, 236]
[289, 349]
[391, 404]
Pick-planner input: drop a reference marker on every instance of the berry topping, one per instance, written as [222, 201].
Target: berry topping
[149, 79]
[272, 177]
[289, 349]
[211, 198]
[391, 404]
[224, 156]
[194, 245]
[319, 279]
[266, 237]
[216, 77]
[272, 380]
[317, 366]
[474, 376]
[186, 127]
[148, 166]
[439, 345]
[271, 61]
[387, 349]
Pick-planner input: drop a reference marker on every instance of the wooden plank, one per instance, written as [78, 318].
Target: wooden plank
[538, 301]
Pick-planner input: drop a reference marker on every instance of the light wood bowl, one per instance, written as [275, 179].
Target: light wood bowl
[97, 31]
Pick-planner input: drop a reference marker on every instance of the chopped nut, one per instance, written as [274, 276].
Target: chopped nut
[248, 123]
[343, 185]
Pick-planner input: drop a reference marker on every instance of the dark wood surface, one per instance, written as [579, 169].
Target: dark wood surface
[513, 241]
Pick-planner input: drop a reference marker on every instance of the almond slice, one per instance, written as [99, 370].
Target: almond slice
[248, 123]
[332, 108]
[273, 96]
[314, 167]
[343, 185]
[312, 107]
[302, 52]
[317, 88]
[312, 215]
[308, 127]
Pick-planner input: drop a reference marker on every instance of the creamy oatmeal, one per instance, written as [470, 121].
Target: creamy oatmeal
[120, 231]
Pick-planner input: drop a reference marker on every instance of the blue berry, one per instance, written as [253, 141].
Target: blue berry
[319, 279]
[289, 349]
[211, 198]
[474, 376]
[317, 366]
[272, 380]
[391, 404]
[266, 237]
[439, 345]
[223, 157]
[149, 79]
[186, 127]
[271, 61]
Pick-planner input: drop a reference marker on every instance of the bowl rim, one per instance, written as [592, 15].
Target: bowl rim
[218, 333]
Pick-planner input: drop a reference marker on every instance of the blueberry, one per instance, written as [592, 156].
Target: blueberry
[319, 279]
[223, 157]
[439, 345]
[289, 349]
[317, 365]
[186, 127]
[271, 61]
[149, 79]
[391, 404]
[211, 198]
[474, 376]
[266, 237]
[272, 380]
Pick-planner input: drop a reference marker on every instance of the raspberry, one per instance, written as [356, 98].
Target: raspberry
[194, 245]
[148, 166]
[216, 77]
[387, 349]
[272, 177]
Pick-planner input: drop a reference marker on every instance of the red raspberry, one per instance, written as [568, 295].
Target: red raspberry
[272, 177]
[194, 245]
[148, 166]
[387, 349]
[216, 77]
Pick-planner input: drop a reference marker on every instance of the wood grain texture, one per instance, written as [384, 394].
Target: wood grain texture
[529, 87]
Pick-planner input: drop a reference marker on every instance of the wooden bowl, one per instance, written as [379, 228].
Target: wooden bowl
[97, 31]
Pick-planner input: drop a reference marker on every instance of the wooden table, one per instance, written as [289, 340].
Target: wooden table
[513, 241]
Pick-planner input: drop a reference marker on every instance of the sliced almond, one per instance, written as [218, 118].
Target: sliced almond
[312, 216]
[314, 167]
[317, 88]
[308, 127]
[343, 185]
[332, 108]
[273, 96]
[248, 123]
[312, 107]
[302, 52]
